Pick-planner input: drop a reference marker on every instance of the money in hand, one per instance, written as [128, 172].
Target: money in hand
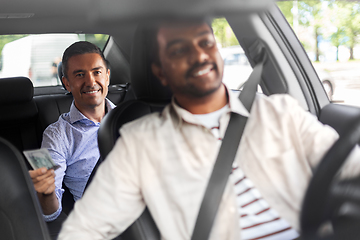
[40, 158]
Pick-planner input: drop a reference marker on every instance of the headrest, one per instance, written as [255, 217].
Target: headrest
[15, 90]
[60, 74]
[145, 85]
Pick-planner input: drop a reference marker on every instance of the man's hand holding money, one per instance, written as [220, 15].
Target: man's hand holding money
[44, 184]
[44, 180]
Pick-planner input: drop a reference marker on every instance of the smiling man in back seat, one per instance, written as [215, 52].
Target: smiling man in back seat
[72, 140]
[163, 161]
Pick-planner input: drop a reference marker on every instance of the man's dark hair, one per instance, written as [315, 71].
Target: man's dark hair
[151, 35]
[79, 48]
[153, 29]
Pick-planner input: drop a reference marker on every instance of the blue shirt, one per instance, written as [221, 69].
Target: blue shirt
[72, 143]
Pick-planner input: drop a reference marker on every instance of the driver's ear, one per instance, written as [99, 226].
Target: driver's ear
[157, 71]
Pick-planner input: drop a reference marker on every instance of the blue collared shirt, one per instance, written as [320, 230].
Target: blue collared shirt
[72, 143]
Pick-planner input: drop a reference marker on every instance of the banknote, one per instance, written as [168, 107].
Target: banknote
[40, 158]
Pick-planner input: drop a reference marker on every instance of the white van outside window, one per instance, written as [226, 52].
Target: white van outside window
[237, 68]
[37, 56]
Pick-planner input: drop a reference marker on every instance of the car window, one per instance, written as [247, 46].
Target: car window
[329, 32]
[37, 56]
[236, 66]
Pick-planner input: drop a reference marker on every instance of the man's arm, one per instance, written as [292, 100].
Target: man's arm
[44, 184]
[318, 138]
[51, 198]
[112, 201]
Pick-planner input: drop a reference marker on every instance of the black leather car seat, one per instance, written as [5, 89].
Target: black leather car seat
[18, 118]
[20, 212]
[151, 96]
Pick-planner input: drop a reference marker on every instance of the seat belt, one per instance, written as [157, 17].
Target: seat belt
[100, 160]
[226, 156]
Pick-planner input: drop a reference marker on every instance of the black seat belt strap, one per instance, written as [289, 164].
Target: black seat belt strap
[225, 158]
[100, 160]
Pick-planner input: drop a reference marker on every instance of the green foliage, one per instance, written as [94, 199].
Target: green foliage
[338, 37]
[310, 13]
[223, 33]
[98, 39]
[286, 7]
[335, 21]
[348, 19]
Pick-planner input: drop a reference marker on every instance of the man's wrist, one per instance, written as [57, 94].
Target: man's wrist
[45, 195]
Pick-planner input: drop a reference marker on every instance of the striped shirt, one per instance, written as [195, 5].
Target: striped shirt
[257, 219]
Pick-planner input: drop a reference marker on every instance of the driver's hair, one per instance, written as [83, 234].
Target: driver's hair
[78, 48]
[151, 32]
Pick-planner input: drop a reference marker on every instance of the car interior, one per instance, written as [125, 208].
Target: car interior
[20, 215]
[28, 110]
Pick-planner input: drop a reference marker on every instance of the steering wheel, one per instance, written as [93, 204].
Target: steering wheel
[325, 200]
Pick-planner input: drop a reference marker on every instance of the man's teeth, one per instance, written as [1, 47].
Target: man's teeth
[202, 72]
[92, 91]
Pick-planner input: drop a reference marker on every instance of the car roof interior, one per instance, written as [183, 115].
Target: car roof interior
[99, 16]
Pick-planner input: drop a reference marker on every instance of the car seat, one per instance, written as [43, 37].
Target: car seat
[20, 213]
[151, 96]
[19, 113]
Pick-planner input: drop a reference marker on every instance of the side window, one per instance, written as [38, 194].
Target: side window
[37, 56]
[236, 59]
[236, 66]
[330, 34]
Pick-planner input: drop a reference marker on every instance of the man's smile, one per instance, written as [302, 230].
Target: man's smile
[200, 71]
[91, 91]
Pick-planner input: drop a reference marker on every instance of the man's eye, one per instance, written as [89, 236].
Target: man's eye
[79, 75]
[177, 52]
[207, 43]
[97, 72]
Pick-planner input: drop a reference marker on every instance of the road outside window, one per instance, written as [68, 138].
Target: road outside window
[330, 34]
[37, 56]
